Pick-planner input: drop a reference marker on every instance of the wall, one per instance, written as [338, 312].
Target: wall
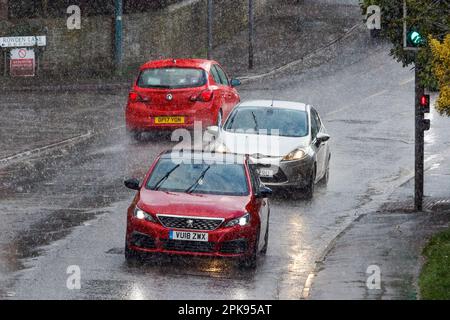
[176, 31]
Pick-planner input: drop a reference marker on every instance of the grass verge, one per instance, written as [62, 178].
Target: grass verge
[434, 279]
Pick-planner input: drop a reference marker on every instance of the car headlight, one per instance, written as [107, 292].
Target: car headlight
[142, 215]
[221, 148]
[242, 221]
[297, 154]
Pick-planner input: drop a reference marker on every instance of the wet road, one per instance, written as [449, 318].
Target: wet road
[68, 208]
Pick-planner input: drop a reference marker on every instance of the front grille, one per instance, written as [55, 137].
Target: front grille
[189, 246]
[143, 241]
[189, 223]
[235, 246]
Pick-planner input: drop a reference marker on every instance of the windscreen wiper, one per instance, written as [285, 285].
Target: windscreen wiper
[166, 176]
[196, 183]
[256, 122]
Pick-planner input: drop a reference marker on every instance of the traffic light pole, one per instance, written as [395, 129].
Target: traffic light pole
[419, 141]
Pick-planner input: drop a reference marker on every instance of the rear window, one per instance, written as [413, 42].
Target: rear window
[201, 178]
[172, 78]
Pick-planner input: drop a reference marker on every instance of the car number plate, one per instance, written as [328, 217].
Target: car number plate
[169, 120]
[188, 236]
[266, 173]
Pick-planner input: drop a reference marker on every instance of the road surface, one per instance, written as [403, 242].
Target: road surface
[66, 208]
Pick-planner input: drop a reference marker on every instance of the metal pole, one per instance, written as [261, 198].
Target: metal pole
[251, 32]
[405, 14]
[5, 70]
[210, 29]
[419, 141]
[4, 9]
[118, 12]
[36, 52]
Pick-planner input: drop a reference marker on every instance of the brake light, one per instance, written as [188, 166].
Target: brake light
[135, 97]
[206, 95]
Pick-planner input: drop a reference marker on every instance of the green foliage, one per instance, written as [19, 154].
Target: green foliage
[430, 18]
[441, 69]
[435, 276]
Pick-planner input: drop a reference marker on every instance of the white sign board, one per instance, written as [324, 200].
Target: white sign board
[22, 62]
[14, 42]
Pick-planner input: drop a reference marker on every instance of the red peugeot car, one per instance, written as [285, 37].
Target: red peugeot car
[171, 94]
[199, 204]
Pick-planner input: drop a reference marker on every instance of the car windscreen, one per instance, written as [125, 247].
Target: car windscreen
[172, 78]
[268, 121]
[199, 178]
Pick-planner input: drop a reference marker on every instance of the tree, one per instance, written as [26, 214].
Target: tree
[441, 69]
[431, 17]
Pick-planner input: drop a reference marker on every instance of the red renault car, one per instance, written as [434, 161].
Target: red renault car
[199, 204]
[170, 94]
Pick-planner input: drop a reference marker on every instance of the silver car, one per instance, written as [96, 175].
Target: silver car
[286, 141]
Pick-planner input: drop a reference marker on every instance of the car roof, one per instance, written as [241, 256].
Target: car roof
[189, 155]
[182, 63]
[280, 104]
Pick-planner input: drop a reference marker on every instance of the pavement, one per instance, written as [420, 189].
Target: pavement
[392, 237]
[65, 156]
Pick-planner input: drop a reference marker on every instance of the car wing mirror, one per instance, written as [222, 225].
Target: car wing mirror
[133, 184]
[323, 137]
[265, 192]
[213, 130]
[235, 82]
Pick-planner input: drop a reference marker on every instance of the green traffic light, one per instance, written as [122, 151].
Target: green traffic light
[415, 38]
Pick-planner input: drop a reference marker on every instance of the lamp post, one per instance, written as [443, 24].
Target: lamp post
[118, 33]
[251, 33]
[210, 29]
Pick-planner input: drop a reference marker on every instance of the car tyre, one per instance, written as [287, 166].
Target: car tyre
[219, 118]
[132, 257]
[249, 262]
[135, 135]
[309, 190]
[326, 176]
[266, 239]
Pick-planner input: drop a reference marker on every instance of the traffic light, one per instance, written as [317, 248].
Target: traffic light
[426, 124]
[425, 103]
[414, 38]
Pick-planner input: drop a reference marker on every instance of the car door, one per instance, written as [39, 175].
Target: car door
[220, 88]
[320, 148]
[263, 208]
[230, 94]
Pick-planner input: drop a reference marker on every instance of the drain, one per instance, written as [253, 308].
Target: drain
[407, 206]
[440, 205]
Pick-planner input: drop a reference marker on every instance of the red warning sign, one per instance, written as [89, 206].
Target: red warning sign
[22, 63]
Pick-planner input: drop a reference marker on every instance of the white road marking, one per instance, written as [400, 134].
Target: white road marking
[58, 144]
[307, 287]
[354, 104]
[44, 148]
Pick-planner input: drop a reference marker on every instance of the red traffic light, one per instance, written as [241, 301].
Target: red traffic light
[424, 102]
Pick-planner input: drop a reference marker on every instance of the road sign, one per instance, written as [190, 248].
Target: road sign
[22, 62]
[21, 42]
